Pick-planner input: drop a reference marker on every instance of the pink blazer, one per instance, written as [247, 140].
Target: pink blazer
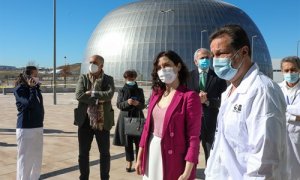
[180, 135]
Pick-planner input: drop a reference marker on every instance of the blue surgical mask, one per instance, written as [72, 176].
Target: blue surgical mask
[223, 68]
[204, 63]
[291, 77]
[130, 83]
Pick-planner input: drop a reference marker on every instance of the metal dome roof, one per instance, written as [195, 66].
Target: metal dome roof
[130, 36]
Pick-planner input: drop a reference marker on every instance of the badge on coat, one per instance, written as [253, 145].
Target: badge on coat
[237, 108]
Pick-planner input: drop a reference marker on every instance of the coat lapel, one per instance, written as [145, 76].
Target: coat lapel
[196, 80]
[209, 79]
[173, 105]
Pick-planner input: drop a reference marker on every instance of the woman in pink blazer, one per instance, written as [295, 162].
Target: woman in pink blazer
[169, 145]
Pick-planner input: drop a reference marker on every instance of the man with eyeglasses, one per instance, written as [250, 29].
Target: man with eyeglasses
[209, 86]
[94, 116]
[250, 141]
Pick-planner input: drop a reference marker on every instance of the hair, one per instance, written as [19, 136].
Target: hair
[21, 79]
[130, 74]
[201, 49]
[98, 57]
[237, 34]
[176, 59]
[292, 59]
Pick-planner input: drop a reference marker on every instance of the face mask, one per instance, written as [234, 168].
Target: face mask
[204, 63]
[93, 68]
[223, 68]
[291, 77]
[167, 75]
[130, 83]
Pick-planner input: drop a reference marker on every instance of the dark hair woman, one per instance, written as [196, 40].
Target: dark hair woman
[29, 132]
[169, 146]
[131, 102]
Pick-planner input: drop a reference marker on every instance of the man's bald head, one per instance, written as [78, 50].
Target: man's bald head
[97, 59]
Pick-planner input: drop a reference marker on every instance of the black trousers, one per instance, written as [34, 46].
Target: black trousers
[85, 138]
[129, 147]
[207, 138]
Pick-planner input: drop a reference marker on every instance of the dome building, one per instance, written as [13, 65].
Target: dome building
[130, 36]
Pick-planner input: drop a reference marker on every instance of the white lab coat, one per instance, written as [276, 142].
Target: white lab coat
[292, 97]
[251, 135]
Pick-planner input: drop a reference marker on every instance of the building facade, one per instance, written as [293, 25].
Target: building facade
[130, 36]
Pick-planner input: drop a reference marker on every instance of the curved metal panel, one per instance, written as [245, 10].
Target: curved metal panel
[130, 36]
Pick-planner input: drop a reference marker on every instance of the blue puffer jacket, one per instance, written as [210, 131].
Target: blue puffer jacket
[29, 102]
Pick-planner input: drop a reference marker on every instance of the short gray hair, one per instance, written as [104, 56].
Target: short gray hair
[291, 59]
[201, 49]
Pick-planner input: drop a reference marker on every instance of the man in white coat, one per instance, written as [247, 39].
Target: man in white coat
[250, 140]
[290, 67]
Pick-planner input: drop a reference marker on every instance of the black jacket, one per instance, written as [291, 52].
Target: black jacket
[214, 87]
[29, 102]
[127, 110]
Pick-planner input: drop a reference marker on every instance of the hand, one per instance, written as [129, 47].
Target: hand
[138, 167]
[130, 101]
[31, 82]
[138, 164]
[88, 92]
[135, 103]
[203, 96]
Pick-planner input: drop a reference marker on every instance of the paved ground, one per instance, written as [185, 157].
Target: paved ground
[60, 142]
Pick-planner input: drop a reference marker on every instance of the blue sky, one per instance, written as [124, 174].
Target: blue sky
[26, 27]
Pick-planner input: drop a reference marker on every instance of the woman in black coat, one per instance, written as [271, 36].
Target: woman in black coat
[131, 102]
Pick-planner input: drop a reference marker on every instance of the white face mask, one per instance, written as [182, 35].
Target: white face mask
[167, 75]
[93, 68]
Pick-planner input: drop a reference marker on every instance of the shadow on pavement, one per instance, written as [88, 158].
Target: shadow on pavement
[46, 131]
[75, 168]
[4, 144]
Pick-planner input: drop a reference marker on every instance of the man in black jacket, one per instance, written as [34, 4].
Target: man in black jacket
[210, 87]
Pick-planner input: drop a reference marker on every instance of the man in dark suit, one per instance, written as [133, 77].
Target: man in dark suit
[210, 87]
[94, 116]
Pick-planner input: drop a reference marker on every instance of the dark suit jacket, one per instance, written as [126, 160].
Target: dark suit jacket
[106, 94]
[214, 87]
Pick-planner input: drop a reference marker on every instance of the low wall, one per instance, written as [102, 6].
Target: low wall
[4, 91]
